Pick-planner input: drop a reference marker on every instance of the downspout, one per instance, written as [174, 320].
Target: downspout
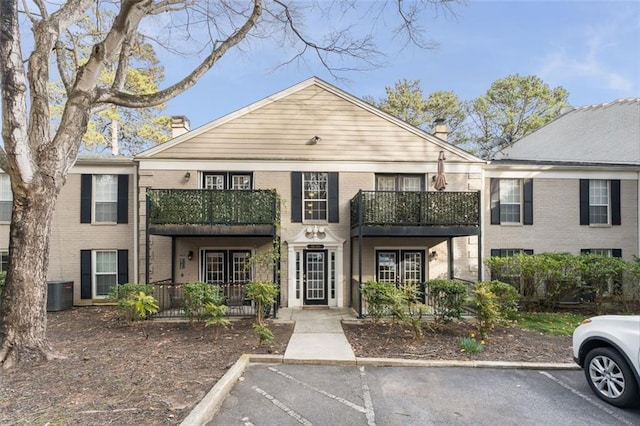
[480, 262]
[136, 223]
[147, 241]
[173, 259]
[450, 256]
[360, 219]
[481, 222]
[638, 207]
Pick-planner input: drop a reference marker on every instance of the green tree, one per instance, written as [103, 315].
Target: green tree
[513, 107]
[113, 128]
[406, 101]
[37, 154]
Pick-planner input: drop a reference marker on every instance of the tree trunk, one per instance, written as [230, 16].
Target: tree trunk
[23, 325]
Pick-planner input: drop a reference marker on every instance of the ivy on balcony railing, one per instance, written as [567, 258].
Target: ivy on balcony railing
[412, 208]
[212, 207]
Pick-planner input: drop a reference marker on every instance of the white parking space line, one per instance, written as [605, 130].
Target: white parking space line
[595, 403]
[283, 407]
[368, 402]
[320, 391]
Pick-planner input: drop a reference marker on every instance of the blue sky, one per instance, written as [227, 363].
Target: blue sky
[591, 48]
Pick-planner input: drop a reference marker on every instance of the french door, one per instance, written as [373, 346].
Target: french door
[400, 266]
[231, 270]
[315, 277]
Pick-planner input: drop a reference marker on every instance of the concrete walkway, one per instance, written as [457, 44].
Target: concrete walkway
[318, 337]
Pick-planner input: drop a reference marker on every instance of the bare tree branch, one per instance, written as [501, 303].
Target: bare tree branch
[138, 101]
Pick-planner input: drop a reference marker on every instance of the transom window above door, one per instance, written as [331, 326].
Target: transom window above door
[227, 180]
[399, 182]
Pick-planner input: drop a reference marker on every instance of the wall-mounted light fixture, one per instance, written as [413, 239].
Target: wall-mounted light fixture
[433, 255]
[314, 140]
[190, 255]
[187, 176]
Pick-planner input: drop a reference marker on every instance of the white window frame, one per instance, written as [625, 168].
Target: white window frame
[211, 183]
[315, 196]
[385, 183]
[510, 195]
[6, 198]
[95, 273]
[599, 197]
[109, 197]
[4, 260]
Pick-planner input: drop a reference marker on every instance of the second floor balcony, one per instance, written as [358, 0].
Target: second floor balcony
[414, 213]
[212, 212]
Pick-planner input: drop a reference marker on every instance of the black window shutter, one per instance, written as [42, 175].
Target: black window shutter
[527, 251]
[616, 252]
[528, 202]
[495, 252]
[85, 198]
[585, 251]
[584, 201]
[334, 205]
[296, 197]
[495, 201]
[616, 218]
[85, 274]
[123, 266]
[123, 199]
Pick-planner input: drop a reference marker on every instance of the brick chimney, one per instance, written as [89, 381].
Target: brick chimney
[179, 125]
[440, 129]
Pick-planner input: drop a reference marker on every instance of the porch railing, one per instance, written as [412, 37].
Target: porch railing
[212, 207]
[413, 208]
[170, 297]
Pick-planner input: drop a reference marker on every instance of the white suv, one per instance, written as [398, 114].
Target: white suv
[608, 349]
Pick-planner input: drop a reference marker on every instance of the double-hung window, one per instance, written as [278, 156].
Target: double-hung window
[6, 198]
[511, 201]
[600, 202]
[106, 272]
[4, 260]
[106, 198]
[315, 195]
[101, 270]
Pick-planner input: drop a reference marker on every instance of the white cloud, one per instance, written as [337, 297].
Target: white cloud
[605, 56]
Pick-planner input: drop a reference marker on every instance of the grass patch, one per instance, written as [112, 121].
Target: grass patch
[555, 324]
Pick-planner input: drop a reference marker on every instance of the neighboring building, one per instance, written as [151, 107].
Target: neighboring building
[570, 186]
[93, 238]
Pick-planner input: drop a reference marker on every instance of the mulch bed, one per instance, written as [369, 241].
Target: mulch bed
[441, 341]
[154, 373]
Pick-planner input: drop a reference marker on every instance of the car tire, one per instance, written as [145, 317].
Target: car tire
[610, 377]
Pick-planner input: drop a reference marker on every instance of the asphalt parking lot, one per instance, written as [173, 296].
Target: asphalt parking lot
[288, 394]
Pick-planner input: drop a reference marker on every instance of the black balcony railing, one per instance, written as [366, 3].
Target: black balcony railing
[212, 207]
[412, 208]
[171, 301]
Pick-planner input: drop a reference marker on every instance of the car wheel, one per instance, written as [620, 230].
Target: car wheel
[611, 378]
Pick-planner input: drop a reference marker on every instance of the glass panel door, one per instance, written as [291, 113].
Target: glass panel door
[315, 277]
[412, 267]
